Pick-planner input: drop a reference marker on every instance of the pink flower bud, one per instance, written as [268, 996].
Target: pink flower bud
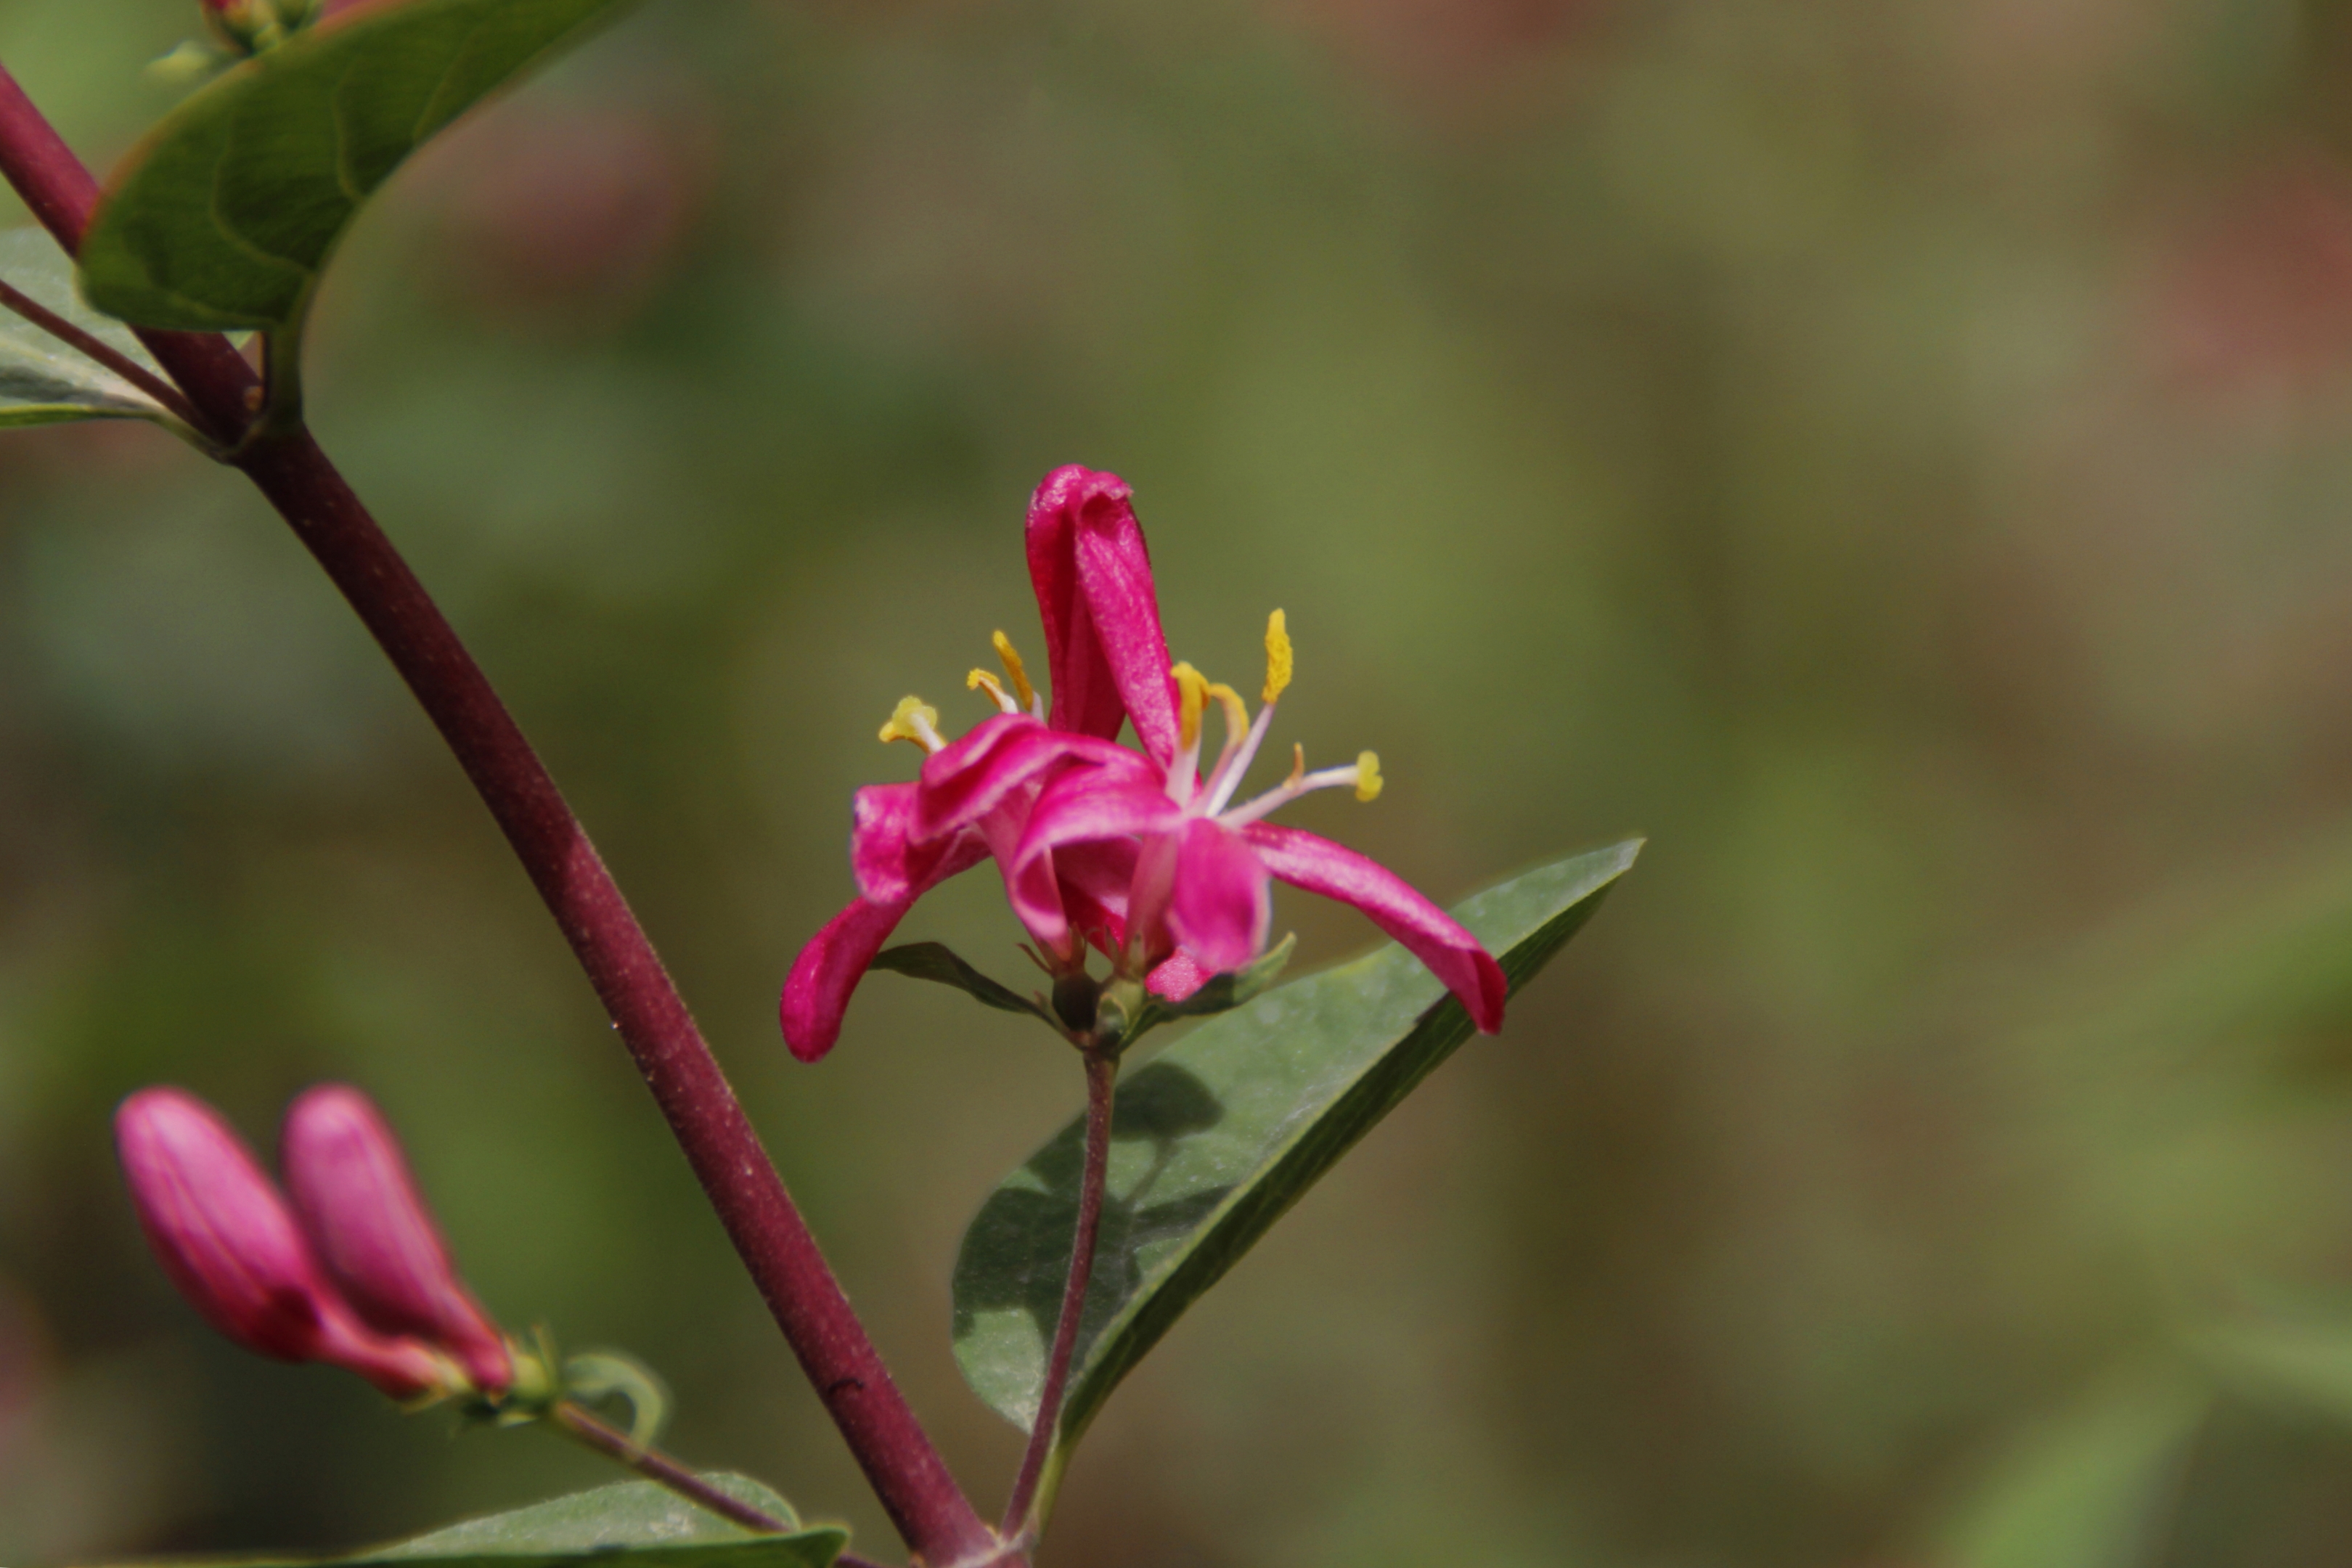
[230, 1243]
[359, 1205]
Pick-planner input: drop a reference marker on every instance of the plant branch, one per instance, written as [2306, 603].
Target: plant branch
[574, 1419]
[95, 348]
[1102, 1080]
[44, 172]
[908, 1475]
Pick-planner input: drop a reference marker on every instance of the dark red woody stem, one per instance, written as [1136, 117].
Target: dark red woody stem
[1102, 1080]
[908, 1475]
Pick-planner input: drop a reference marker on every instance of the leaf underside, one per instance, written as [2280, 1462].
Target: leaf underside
[223, 218]
[638, 1520]
[941, 965]
[1218, 1135]
[43, 382]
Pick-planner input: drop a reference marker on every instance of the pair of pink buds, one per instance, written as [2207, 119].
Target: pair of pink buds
[353, 1272]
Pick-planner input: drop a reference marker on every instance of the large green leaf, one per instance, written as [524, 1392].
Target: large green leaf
[224, 215]
[1218, 1135]
[646, 1525]
[43, 382]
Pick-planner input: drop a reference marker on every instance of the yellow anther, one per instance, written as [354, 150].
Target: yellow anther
[1192, 692]
[979, 679]
[913, 719]
[1015, 672]
[1237, 711]
[1367, 775]
[1277, 656]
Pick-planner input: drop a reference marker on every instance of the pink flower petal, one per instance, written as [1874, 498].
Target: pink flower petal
[1094, 880]
[1092, 570]
[359, 1206]
[227, 1238]
[1177, 979]
[1219, 908]
[1086, 696]
[891, 866]
[1428, 932]
[1080, 807]
[967, 779]
[828, 969]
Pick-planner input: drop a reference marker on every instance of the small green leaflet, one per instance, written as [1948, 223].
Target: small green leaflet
[223, 216]
[636, 1521]
[1215, 1137]
[43, 382]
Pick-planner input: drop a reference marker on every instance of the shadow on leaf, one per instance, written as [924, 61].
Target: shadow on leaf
[1017, 1253]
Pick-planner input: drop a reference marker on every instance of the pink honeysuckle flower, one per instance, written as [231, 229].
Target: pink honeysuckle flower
[359, 1205]
[227, 1238]
[1132, 854]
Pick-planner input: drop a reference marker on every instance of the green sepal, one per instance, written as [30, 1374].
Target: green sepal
[599, 1375]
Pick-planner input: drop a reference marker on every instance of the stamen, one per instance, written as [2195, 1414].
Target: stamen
[1364, 774]
[1277, 656]
[1192, 696]
[914, 719]
[1015, 670]
[980, 678]
[1234, 765]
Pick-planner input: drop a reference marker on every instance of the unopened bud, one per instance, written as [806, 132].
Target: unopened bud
[359, 1205]
[249, 27]
[1122, 1004]
[230, 1243]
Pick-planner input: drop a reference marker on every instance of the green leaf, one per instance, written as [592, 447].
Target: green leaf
[1215, 1138]
[223, 216]
[43, 382]
[939, 963]
[648, 1525]
[2085, 1487]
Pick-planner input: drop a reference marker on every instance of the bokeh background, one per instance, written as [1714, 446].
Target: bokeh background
[1898, 454]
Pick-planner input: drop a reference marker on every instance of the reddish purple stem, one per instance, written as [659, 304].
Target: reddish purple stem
[1102, 1080]
[906, 1471]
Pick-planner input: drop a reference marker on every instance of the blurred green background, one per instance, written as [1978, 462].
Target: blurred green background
[1896, 454]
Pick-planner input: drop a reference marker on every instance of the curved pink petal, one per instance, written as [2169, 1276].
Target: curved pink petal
[1177, 979]
[816, 992]
[359, 1205]
[1081, 806]
[1086, 696]
[1115, 570]
[1219, 908]
[227, 1239]
[1092, 571]
[966, 781]
[1428, 932]
[891, 865]
[1094, 879]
